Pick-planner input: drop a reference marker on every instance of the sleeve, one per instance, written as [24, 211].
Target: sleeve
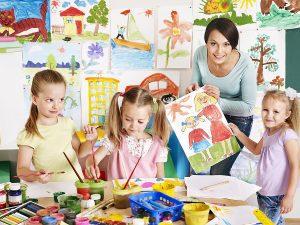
[248, 93]
[107, 144]
[290, 135]
[70, 123]
[24, 138]
[163, 155]
[196, 74]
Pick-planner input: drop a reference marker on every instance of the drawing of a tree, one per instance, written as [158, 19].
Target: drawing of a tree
[51, 62]
[73, 65]
[98, 15]
[262, 54]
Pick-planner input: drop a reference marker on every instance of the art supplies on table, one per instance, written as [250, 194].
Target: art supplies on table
[147, 183]
[219, 186]
[20, 213]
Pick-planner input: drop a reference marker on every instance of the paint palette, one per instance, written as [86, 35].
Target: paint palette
[20, 214]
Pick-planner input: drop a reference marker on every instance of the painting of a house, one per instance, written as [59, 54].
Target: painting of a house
[73, 21]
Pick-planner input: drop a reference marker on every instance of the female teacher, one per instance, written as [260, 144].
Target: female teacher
[228, 75]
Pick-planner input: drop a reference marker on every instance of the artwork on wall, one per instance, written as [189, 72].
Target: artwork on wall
[63, 57]
[80, 20]
[132, 40]
[241, 12]
[267, 50]
[203, 130]
[174, 37]
[24, 21]
[279, 14]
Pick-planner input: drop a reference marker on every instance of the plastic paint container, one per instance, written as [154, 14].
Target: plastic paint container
[2, 197]
[59, 216]
[166, 188]
[49, 220]
[82, 221]
[89, 187]
[73, 202]
[36, 220]
[53, 208]
[56, 194]
[83, 189]
[121, 196]
[96, 198]
[14, 194]
[196, 213]
[43, 212]
[97, 188]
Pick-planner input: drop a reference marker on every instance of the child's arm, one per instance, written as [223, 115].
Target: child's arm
[23, 166]
[160, 170]
[91, 169]
[84, 149]
[251, 145]
[292, 150]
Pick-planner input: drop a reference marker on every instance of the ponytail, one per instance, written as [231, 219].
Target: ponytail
[161, 126]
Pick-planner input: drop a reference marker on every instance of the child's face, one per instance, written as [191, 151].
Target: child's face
[274, 113]
[50, 101]
[135, 119]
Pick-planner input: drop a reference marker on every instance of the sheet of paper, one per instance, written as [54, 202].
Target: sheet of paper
[218, 186]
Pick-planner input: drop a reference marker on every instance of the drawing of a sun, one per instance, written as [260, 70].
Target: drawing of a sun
[245, 3]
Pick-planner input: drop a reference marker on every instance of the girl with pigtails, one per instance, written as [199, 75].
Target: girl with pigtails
[127, 141]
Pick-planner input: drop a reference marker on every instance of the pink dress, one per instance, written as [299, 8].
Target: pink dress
[122, 161]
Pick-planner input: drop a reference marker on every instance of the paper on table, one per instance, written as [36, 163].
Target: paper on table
[38, 190]
[234, 215]
[218, 186]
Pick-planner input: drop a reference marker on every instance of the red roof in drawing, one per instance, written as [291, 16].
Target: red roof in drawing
[72, 11]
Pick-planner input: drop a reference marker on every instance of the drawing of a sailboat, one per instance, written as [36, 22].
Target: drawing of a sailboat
[135, 38]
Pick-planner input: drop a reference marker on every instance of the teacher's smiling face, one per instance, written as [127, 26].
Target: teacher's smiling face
[218, 48]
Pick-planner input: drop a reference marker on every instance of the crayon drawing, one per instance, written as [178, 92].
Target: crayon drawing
[95, 57]
[80, 20]
[63, 57]
[279, 14]
[24, 21]
[267, 51]
[174, 37]
[132, 41]
[241, 12]
[204, 134]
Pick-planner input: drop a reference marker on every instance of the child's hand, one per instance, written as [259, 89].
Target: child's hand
[91, 133]
[234, 128]
[286, 204]
[90, 170]
[42, 176]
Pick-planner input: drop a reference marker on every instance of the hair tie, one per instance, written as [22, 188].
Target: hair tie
[122, 94]
[291, 93]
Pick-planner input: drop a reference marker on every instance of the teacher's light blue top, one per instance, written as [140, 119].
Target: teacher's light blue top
[237, 89]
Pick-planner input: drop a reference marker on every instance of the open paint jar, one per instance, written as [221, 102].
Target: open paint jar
[196, 213]
[166, 188]
[89, 187]
[121, 196]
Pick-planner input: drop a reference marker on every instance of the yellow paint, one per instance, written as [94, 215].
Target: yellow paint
[116, 217]
[81, 135]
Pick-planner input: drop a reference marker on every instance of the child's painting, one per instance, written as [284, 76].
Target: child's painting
[95, 57]
[203, 130]
[267, 51]
[132, 41]
[241, 12]
[80, 20]
[174, 37]
[279, 14]
[147, 183]
[24, 21]
[62, 57]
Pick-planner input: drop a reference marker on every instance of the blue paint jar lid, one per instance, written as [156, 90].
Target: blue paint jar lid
[49, 220]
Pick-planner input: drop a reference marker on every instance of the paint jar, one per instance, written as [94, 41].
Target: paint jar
[69, 214]
[59, 216]
[56, 194]
[121, 196]
[14, 194]
[35, 220]
[83, 189]
[82, 221]
[49, 220]
[74, 202]
[196, 213]
[166, 188]
[53, 208]
[24, 192]
[97, 187]
[2, 197]
[96, 198]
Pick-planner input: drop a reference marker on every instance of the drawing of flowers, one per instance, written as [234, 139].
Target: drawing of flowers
[95, 51]
[175, 31]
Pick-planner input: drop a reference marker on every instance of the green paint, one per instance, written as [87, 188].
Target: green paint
[279, 18]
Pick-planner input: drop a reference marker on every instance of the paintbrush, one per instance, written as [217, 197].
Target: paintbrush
[132, 173]
[79, 178]
[36, 174]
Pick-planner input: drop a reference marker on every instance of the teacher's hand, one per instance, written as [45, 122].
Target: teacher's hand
[192, 87]
[212, 91]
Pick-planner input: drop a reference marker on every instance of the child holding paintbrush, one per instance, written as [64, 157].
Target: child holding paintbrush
[127, 143]
[47, 135]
